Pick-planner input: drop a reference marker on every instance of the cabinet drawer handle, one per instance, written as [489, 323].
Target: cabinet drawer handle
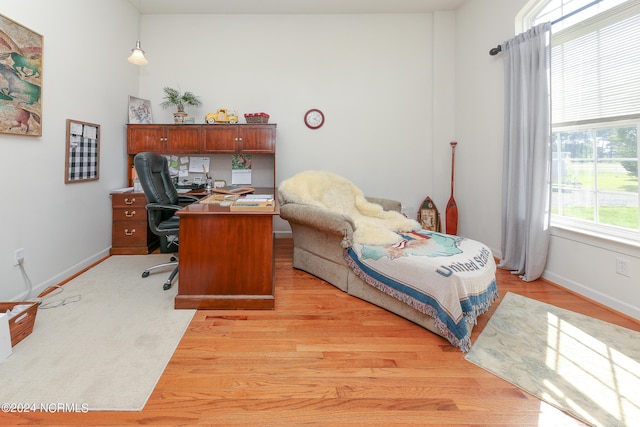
[130, 214]
[130, 233]
[130, 201]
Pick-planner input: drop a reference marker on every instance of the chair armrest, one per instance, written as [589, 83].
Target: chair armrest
[327, 221]
[186, 199]
[162, 207]
[319, 219]
[316, 217]
[387, 204]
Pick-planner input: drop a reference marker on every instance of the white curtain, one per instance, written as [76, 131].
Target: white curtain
[526, 188]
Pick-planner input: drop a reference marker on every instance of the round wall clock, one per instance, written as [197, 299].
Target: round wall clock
[313, 118]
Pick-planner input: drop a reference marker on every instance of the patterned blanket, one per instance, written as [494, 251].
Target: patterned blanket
[447, 277]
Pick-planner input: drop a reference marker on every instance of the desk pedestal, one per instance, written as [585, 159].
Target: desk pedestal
[226, 260]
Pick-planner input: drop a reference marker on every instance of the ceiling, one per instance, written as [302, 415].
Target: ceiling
[170, 7]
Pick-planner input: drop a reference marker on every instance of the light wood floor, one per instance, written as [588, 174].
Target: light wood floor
[325, 358]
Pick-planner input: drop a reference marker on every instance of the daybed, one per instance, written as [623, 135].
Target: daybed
[340, 236]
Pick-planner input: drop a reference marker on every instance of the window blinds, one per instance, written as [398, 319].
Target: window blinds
[595, 68]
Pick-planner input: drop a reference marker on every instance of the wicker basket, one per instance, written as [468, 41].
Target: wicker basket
[20, 325]
[257, 119]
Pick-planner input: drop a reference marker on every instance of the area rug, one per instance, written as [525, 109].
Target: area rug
[104, 346]
[583, 366]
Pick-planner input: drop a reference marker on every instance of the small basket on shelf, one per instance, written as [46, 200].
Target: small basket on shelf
[257, 118]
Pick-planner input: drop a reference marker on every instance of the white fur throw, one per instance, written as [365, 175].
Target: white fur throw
[374, 225]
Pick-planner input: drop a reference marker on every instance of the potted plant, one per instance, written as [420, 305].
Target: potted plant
[179, 99]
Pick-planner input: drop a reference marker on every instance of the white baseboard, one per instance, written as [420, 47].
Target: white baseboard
[64, 275]
[599, 297]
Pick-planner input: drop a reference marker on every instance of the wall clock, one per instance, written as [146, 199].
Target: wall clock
[313, 118]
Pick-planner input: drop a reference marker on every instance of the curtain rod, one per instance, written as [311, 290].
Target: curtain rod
[498, 49]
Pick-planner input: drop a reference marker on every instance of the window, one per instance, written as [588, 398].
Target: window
[595, 105]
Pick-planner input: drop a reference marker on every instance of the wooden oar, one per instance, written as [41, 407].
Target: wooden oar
[452, 207]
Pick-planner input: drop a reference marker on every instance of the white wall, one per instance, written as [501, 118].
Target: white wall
[580, 263]
[65, 227]
[443, 105]
[479, 115]
[371, 75]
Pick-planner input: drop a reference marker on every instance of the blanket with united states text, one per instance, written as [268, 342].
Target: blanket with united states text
[447, 277]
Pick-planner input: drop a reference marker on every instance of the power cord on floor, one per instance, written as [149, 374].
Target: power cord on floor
[61, 302]
[56, 303]
[47, 293]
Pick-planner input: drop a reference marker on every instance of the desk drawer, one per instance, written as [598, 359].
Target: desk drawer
[129, 234]
[130, 213]
[136, 200]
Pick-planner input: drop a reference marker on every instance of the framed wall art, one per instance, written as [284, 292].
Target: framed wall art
[139, 111]
[82, 161]
[21, 54]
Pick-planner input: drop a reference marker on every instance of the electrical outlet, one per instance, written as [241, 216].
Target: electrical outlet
[622, 267]
[19, 256]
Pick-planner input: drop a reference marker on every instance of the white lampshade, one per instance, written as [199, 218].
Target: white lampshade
[137, 55]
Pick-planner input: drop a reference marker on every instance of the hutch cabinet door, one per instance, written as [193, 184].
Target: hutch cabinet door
[182, 139]
[219, 139]
[257, 138]
[145, 138]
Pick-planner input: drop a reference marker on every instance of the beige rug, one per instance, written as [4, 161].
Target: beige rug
[105, 351]
[583, 366]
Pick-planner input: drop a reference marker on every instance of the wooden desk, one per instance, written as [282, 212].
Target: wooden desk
[226, 258]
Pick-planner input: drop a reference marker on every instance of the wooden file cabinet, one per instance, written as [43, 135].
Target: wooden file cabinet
[130, 234]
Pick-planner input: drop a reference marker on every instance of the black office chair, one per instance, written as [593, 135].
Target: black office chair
[162, 203]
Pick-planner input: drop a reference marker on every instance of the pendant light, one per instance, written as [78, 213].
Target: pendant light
[137, 54]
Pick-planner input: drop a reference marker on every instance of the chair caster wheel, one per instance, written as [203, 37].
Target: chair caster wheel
[145, 274]
[166, 286]
[173, 259]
